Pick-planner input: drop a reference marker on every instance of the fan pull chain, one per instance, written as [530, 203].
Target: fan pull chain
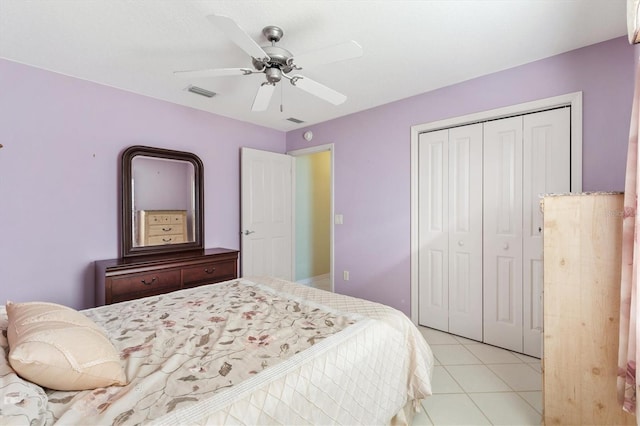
[281, 97]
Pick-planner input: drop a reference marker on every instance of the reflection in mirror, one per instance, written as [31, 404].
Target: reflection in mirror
[161, 201]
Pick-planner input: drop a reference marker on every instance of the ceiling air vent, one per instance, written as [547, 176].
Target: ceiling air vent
[201, 91]
[295, 120]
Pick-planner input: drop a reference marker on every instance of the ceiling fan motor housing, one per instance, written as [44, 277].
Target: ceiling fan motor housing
[279, 58]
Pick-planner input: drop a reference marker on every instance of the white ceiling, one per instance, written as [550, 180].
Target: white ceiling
[410, 47]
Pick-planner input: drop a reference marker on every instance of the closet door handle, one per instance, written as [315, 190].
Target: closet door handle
[461, 243]
[505, 246]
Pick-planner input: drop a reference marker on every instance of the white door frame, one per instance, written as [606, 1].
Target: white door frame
[306, 151]
[573, 99]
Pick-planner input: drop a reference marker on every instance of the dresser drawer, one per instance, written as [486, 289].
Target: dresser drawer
[209, 273]
[168, 229]
[165, 239]
[157, 218]
[123, 279]
[134, 286]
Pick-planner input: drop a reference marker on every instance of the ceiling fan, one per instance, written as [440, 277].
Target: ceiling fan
[277, 63]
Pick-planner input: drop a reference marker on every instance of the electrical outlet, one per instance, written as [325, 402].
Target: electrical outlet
[345, 275]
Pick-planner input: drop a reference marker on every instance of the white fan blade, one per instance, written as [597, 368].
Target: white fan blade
[261, 102]
[327, 55]
[214, 72]
[237, 35]
[317, 89]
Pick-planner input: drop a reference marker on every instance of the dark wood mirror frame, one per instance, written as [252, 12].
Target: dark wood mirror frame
[128, 248]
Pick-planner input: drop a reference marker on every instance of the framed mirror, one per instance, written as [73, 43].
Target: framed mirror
[162, 201]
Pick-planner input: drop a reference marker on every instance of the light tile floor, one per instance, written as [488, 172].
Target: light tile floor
[322, 284]
[478, 384]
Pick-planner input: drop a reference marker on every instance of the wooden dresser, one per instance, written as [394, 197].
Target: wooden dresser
[123, 279]
[158, 227]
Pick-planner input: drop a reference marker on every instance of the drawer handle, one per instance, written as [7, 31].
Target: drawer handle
[167, 240]
[210, 271]
[150, 282]
[167, 229]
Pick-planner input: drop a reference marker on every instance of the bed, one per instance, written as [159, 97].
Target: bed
[255, 350]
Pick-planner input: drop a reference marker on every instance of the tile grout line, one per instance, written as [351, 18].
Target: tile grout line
[520, 362]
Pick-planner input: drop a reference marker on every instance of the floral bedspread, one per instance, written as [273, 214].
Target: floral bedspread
[203, 355]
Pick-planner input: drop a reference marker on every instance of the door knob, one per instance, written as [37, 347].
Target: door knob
[247, 232]
[505, 246]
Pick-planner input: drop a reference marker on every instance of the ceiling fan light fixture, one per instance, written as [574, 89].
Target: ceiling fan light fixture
[274, 75]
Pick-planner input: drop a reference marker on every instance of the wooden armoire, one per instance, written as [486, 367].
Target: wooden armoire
[582, 250]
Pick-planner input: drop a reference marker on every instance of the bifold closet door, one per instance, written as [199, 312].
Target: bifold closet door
[465, 231]
[546, 170]
[503, 233]
[450, 230]
[525, 157]
[433, 230]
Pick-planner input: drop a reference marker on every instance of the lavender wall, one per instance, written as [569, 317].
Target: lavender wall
[62, 138]
[372, 155]
[59, 170]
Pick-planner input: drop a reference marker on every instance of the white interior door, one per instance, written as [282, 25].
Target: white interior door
[266, 214]
[433, 230]
[465, 231]
[450, 227]
[515, 178]
[503, 233]
[547, 154]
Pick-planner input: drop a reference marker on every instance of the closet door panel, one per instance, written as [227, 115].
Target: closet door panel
[547, 156]
[502, 243]
[433, 229]
[465, 231]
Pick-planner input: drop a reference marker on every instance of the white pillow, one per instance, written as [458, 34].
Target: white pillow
[633, 21]
[22, 401]
[59, 348]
